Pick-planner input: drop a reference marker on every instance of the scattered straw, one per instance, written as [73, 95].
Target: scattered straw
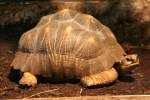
[39, 93]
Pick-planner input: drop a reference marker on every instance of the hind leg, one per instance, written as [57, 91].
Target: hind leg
[100, 78]
[28, 79]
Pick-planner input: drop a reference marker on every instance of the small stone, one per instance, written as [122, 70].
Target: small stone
[10, 52]
[2, 58]
[1, 73]
[17, 89]
[3, 93]
[6, 61]
[132, 88]
[27, 3]
[1, 78]
[139, 75]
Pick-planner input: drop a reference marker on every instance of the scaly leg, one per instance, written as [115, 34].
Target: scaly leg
[28, 79]
[100, 78]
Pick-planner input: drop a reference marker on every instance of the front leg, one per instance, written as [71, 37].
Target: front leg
[28, 79]
[100, 78]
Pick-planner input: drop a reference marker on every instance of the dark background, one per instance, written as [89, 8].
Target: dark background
[126, 20]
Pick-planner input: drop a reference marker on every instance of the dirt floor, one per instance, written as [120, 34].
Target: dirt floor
[135, 82]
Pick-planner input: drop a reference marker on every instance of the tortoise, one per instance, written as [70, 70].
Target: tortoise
[71, 45]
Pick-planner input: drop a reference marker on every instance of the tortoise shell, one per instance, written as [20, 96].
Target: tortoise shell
[67, 45]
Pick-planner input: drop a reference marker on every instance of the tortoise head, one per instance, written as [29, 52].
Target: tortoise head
[129, 61]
